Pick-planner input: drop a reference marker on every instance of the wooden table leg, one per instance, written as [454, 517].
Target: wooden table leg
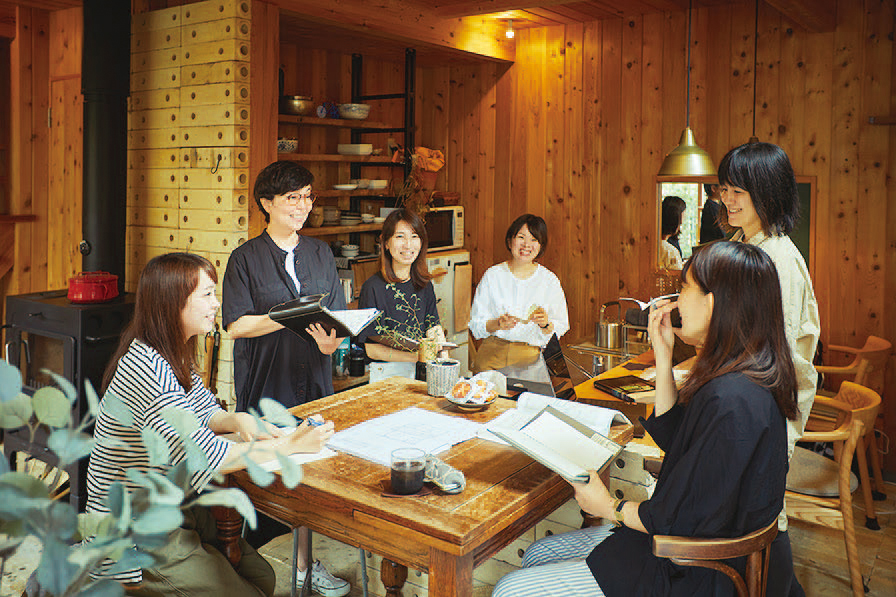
[450, 575]
[393, 576]
[230, 525]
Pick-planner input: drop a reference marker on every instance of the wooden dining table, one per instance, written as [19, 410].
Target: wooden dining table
[442, 534]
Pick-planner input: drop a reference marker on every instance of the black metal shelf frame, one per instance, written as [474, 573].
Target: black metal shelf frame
[409, 97]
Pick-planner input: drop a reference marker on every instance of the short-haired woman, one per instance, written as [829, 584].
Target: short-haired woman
[153, 370]
[519, 303]
[402, 290]
[723, 433]
[759, 193]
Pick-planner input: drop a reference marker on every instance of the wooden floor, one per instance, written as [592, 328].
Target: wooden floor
[820, 557]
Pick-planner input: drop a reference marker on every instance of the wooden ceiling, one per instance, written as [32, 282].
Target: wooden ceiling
[432, 26]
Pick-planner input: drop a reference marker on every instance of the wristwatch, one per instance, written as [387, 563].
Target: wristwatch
[617, 511]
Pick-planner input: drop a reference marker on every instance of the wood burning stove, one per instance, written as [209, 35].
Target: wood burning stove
[45, 330]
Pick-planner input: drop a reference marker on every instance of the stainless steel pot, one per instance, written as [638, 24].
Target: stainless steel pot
[609, 333]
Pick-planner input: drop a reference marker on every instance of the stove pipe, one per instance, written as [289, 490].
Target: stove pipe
[105, 81]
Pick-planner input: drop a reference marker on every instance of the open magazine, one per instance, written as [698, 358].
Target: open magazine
[528, 405]
[564, 445]
[300, 313]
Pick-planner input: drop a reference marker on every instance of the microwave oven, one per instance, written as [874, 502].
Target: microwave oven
[445, 227]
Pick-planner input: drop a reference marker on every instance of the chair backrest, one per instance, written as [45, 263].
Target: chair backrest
[707, 553]
[872, 359]
[864, 401]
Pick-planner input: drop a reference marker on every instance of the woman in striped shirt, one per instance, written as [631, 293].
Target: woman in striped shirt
[153, 371]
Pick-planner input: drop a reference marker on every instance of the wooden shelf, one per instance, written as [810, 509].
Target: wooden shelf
[355, 193]
[335, 122]
[332, 230]
[379, 160]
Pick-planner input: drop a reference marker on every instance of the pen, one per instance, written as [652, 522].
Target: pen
[312, 422]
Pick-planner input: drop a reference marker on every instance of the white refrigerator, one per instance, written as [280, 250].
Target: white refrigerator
[452, 282]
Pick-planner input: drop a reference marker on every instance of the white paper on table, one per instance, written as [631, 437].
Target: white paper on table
[432, 432]
[299, 458]
[528, 405]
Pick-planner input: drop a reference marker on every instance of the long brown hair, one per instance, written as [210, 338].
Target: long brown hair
[419, 272]
[165, 284]
[746, 328]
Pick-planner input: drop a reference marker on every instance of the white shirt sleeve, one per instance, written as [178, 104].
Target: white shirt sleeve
[484, 307]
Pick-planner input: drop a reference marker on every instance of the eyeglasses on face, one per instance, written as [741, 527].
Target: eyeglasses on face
[297, 198]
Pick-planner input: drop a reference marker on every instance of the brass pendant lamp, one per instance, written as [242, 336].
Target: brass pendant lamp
[688, 159]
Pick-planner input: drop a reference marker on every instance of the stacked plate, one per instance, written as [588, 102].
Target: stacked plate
[331, 216]
[350, 219]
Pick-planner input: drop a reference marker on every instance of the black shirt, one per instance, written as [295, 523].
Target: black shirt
[405, 310]
[281, 365]
[723, 476]
[709, 227]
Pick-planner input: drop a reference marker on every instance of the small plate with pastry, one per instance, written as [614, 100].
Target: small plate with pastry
[472, 395]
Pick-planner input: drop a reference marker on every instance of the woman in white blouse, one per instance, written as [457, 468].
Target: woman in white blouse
[519, 303]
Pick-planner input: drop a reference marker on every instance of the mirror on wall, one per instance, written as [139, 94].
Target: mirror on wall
[692, 200]
[680, 208]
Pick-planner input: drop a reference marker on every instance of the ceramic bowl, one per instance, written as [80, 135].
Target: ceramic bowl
[354, 111]
[362, 183]
[379, 220]
[469, 406]
[287, 145]
[354, 148]
[345, 187]
[367, 218]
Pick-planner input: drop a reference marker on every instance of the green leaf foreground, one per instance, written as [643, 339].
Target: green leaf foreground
[142, 516]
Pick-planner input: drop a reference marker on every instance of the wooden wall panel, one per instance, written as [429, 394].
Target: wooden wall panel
[815, 93]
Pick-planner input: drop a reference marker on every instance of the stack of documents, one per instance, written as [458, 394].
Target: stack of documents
[432, 432]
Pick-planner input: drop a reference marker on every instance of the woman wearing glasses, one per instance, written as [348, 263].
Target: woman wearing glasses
[270, 361]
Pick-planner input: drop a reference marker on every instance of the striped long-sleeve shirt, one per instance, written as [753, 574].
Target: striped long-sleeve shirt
[146, 385]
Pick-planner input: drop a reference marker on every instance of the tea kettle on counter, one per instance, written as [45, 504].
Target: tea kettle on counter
[607, 332]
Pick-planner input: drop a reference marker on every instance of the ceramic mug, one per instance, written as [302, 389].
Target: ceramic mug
[441, 375]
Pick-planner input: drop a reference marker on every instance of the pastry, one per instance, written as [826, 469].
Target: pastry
[461, 389]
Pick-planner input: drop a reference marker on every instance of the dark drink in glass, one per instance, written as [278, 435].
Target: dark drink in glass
[407, 471]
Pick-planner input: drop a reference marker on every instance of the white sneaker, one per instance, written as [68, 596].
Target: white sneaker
[323, 582]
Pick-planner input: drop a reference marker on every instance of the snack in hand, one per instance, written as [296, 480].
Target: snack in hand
[532, 311]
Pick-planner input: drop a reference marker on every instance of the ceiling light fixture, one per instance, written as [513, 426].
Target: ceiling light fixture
[688, 159]
[509, 33]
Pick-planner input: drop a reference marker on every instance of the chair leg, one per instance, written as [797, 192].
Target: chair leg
[849, 537]
[878, 494]
[870, 514]
[363, 572]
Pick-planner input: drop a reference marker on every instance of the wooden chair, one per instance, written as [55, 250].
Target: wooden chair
[863, 404]
[836, 512]
[868, 365]
[707, 553]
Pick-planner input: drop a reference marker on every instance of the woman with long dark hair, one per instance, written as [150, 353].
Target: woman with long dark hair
[403, 291]
[152, 373]
[723, 433]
